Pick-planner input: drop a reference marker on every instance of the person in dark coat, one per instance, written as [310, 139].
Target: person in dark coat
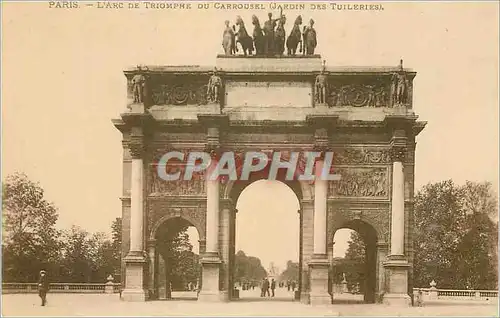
[273, 287]
[263, 287]
[43, 287]
[266, 289]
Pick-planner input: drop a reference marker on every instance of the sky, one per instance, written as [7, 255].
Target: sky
[62, 83]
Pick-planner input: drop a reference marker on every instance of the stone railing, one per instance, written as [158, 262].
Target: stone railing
[94, 288]
[421, 295]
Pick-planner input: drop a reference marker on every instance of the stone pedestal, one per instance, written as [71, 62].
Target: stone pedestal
[210, 292]
[397, 282]
[318, 267]
[134, 284]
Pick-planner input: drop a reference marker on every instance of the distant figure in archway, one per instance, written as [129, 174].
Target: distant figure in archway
[273, 287]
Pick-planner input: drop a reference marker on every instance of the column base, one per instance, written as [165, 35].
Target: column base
[318, 268]
[134, 278]
[397, 281]
[134, 295]
[396, 300]
[210, 279]
[304, 298]
[216, 297]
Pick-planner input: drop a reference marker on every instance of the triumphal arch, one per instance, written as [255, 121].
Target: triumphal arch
[272, 103]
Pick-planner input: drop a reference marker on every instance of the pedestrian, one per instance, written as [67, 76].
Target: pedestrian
[43, 286]
[288, 285]
[263, 287]
[273, 286]
[266, 290]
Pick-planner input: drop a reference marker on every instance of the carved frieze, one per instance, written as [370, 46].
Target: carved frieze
[356, 93]
[361, 156]
[175, 93]
[360, 182]
[160, 187]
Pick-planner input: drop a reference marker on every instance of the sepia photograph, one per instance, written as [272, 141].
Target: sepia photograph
[250, 158]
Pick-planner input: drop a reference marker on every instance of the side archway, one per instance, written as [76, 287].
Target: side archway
[370, 267]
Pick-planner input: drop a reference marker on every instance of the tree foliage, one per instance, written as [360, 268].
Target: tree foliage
[353, 265]
[248, 268]
[291, 272]
[182, 265]
[455, 236]
[30, 239]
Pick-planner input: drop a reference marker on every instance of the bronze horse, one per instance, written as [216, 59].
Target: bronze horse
[243, 38]
[295, 37]
[258, 36]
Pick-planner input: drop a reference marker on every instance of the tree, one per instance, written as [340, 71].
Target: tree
[354, 263]
[182, 264]
[356, 247]
[29, 235]
[116, 235]
[291, 272]
[455, 239]
[248, 268]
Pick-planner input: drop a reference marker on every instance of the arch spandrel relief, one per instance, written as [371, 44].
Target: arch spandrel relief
[161, 210]
[377, 217]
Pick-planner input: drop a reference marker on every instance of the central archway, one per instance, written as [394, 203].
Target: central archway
[266, 227]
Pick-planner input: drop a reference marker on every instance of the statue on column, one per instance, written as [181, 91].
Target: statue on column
[138, 86]
[321, 86]
[400, 84]
[214, 87]
[310, 41]
[228, 39]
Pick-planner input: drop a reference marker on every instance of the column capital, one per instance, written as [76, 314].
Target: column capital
[229, 205]
[322, 148]
[398, 153]
[214, 151]
[137, 146]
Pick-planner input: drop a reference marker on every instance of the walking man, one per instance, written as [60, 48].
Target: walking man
[266, 289]
[43, 287]
[273, 287]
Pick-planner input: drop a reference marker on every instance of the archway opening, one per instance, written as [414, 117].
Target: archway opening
[177, 266]
[267, 233]
[354, 264]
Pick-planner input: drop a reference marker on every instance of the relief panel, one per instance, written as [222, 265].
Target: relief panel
[360, 182]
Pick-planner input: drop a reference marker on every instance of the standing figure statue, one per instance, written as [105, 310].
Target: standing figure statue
[400, 88]
[280, 34]
[321, 85]
[309, 38]
[243, 38]
[269, 39]
[138, 85]
[214, 87]
[228, 38]
[295, 37]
